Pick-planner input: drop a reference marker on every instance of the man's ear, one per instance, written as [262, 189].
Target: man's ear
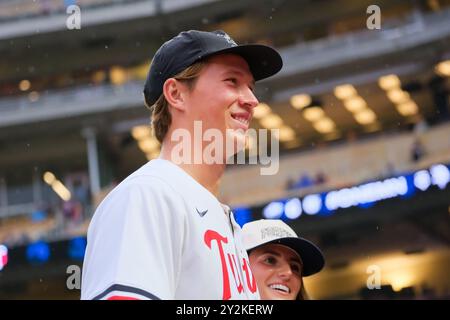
[175, 93]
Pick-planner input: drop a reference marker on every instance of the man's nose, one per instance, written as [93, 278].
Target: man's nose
[248, 99]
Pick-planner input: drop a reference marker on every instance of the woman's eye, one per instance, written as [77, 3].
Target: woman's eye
[296, 268]
[232, 80]
[270, 260]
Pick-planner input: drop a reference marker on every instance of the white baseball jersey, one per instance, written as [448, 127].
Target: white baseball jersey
[161, 235]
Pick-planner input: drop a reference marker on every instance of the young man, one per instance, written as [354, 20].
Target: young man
[162, 233]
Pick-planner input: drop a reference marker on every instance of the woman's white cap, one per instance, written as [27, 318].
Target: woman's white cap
[266, 231]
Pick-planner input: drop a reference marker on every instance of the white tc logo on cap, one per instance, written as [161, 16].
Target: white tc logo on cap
[227, 38]
[275, 232]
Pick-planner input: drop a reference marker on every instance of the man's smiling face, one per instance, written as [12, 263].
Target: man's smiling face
[223, 97]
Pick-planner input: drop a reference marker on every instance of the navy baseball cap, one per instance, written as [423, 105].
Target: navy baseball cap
[261, 232]
[191, 46]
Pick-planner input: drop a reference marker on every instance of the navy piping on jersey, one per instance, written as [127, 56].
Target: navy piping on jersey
[119, 287]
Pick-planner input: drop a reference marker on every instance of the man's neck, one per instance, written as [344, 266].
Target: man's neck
[208, 175]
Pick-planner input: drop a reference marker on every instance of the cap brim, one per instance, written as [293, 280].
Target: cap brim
[312, 257]
[262, 60]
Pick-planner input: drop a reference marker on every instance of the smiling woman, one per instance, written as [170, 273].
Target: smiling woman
[279, 259]
[278, 271]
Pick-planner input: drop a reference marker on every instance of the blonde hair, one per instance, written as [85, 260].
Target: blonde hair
[160, 116]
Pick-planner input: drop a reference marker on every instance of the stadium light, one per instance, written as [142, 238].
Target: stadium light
[261, 110]
[440, 175]
[300, 101]
[313, 114]
[271, 121]
[141, 132]
[49, 177]
[443, 68]
[24, 85]
[153, 154]
[273, 210]
[398, 96]
[118, 75]
[148, 145]
[286, 133]
[61, 190]
[355, 104]
[345, 91]
[408, 108]
[57, 186]
[293, 209]
[389, 82]
[365, 117]
[324, 125]
[312, 204]
[422, 180]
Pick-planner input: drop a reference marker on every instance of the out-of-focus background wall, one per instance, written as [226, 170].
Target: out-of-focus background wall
[363, 117]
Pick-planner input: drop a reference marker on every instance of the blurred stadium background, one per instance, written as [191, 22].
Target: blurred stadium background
[364, 141]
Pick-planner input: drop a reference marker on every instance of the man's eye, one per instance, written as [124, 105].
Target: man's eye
[232, 80]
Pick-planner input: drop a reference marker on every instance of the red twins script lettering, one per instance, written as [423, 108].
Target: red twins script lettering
[209, 237]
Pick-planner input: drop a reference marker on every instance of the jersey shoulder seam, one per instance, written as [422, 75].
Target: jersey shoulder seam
[160, 179]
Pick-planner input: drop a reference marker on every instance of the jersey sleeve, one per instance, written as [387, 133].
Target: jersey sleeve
[135, 243]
